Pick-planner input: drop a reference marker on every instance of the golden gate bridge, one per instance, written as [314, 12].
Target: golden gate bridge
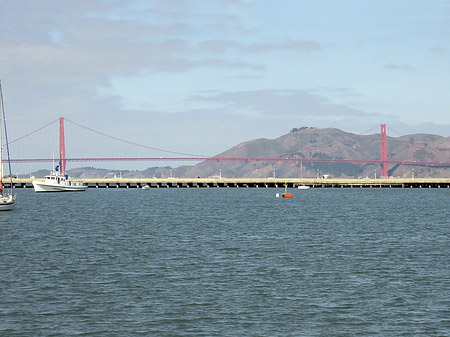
[384, 162]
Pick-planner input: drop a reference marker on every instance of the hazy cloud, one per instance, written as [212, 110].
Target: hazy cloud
[397, 67]
[222, 46]
[71, 49]
[279, 103]
[438, 49]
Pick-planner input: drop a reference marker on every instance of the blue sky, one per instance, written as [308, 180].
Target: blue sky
[200, 76]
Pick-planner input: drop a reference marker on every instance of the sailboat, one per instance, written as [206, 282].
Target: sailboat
[7, 199]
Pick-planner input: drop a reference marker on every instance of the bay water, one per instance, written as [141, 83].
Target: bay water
[226, 262]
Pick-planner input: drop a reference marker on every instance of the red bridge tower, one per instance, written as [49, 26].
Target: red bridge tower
[384, 152]
[62, 147]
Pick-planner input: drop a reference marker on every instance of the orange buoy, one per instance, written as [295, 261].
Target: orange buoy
[286, 194]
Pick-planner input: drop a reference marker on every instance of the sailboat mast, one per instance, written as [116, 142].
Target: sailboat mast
[3, 125]
[1, 139]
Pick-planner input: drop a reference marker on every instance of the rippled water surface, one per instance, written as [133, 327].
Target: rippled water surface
[226, 262]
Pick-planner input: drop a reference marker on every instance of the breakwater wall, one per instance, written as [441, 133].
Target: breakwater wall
[155, 183]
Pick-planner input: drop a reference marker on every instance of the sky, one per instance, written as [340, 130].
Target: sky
[200, 76]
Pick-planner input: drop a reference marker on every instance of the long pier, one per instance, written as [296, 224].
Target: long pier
[155, 183]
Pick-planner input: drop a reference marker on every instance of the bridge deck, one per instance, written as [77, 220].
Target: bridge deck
[252, 183]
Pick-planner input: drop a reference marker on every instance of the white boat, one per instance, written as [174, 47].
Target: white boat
[303, 187]
[7, 199]
[56, 182]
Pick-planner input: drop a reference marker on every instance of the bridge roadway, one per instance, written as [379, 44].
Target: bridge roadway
[155, 183]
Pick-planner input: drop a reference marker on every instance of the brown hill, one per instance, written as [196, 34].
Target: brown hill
[327, 143]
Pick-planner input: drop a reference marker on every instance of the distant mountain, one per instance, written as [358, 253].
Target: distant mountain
[306, 142]
[328, 143]
[92, 172]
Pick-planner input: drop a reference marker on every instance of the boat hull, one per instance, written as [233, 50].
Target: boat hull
[7, 203]
[40, 186]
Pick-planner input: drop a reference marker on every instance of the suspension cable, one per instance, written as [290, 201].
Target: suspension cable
[132, 143]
